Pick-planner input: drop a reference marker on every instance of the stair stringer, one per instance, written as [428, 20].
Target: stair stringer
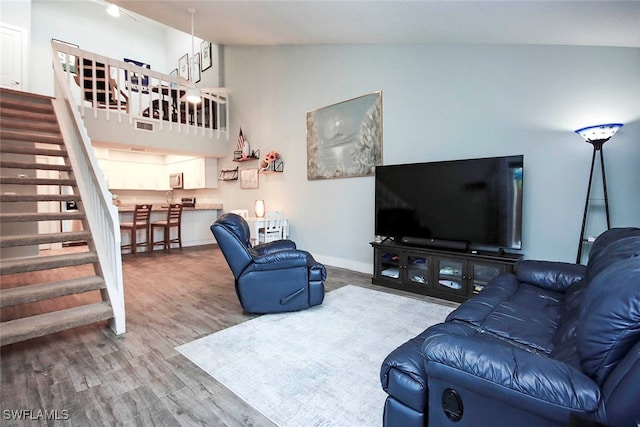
[101, 215]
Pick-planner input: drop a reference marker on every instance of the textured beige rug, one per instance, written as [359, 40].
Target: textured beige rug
[318, 367]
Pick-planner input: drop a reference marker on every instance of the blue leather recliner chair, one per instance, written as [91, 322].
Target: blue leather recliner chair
[554, 344]
[272, 277]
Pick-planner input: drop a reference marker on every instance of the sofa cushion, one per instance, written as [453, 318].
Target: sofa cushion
[555, 276]
[621, 249]
[515, 310]
[566, 340]
[609, 319]
[506, 372]
[610, 236]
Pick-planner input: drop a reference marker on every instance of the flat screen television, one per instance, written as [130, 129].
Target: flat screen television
[475, 201]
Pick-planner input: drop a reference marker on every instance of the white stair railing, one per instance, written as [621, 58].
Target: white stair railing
[102, 215]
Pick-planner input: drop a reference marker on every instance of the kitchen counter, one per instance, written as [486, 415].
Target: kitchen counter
[196, 222]
[163, 207]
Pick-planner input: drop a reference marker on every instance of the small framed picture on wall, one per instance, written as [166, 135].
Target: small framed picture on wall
[183, 66]
[205, 53]
[248, 178]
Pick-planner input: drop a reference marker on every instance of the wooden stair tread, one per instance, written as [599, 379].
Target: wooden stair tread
[23, 149]
[39, 197]
[23, 265]
[56, 321]
[39, 116]
[33, 165]
[17, 95]
[28, 106]
[41, 216]
[30, 293]
[36, 181]
[24, 124]
[21, 136]
[40, 238]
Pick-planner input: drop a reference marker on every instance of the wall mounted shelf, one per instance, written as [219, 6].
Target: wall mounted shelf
[246, 159]
[255, 155]
[273, 168]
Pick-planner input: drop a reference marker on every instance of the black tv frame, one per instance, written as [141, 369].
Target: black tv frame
[497, 200]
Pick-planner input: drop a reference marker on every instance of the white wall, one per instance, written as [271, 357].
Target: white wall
[441, 102]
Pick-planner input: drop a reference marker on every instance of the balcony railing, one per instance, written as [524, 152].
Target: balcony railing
[112, 90]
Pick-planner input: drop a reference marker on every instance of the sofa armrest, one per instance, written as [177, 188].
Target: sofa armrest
[522, 376]
[555, 276]
[275, 246]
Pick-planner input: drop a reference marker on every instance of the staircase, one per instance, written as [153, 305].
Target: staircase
[42, 291]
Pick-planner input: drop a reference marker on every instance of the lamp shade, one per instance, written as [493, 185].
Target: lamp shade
[193, 95]
[113, 10]
[599, 132]
[258, 208]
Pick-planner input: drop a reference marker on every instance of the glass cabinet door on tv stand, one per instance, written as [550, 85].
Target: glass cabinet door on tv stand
[450, 275]
[399, 267]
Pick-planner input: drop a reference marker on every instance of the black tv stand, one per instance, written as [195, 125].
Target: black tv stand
[450, 274]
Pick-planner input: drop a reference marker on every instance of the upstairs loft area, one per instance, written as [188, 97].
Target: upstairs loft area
[129, 106]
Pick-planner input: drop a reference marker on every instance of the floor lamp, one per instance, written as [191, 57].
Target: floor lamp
[596, 136]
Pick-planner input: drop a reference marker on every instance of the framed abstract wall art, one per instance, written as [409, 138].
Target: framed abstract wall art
[183, 66]
[205, 53]
[344, 140]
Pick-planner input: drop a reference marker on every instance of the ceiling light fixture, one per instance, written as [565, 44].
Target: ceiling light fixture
[193, 93]
[113, 10]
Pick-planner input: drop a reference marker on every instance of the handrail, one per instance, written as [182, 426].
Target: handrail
[102, 215]
[140, 86]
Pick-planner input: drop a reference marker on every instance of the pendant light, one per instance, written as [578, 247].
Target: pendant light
[113, 10]
[193, 94]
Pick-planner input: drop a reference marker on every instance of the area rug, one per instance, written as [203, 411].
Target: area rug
[317, 367]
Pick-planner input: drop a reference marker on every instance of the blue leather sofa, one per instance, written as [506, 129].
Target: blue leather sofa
[548, 345]
[272, 277]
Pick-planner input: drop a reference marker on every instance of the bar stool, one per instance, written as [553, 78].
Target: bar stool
[174, 219]
[141, 217]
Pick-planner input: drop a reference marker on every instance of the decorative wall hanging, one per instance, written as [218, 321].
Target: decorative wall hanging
[270, 163]
[136, 81]
[228, 174]
[205, 53]
[248, 178]
[183, 66]
[345, 139]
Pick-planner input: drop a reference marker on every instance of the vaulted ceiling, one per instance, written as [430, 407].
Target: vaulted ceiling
[300, 22]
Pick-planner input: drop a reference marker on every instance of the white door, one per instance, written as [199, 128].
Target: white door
[12, 57]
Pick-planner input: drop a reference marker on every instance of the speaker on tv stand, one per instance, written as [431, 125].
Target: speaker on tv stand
[436, 243]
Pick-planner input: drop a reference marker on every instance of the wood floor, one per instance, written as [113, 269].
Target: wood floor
[89, 376]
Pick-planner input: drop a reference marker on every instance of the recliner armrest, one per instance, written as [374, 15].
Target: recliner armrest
[280, 259]
[277, 245]
[555, 276]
